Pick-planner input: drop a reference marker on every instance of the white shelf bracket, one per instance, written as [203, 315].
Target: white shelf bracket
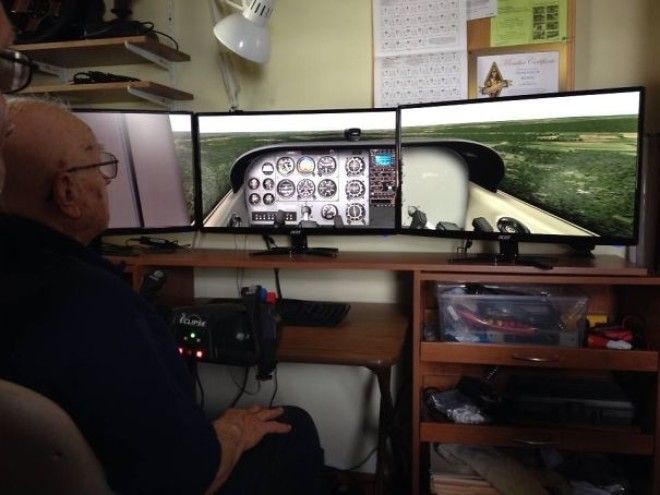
[145, 95]
[62, 73]
[150, 56]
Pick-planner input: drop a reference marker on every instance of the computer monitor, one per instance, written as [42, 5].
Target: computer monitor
[559, 168]
[155, 186]
[322, 172]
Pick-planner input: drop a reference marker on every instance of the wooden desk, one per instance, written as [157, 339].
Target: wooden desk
[372, 336]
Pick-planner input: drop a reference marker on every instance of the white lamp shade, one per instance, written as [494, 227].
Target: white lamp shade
[244, 37]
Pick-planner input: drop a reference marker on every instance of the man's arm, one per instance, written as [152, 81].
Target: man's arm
[239, 430]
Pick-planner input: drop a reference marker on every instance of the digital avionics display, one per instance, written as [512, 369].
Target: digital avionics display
[154, 188]
[316, 170]
[561, 165]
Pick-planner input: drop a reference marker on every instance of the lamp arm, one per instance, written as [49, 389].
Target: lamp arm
[216, 15]
[235, 5]
[228, 73]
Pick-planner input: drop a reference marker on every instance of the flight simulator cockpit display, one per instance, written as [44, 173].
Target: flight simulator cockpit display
[315, 170]
[558, 165]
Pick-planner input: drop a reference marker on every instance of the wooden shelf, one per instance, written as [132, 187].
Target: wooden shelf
[540, 357]
[99, 52]
[614, 288]
[607, 440]
[108, 92]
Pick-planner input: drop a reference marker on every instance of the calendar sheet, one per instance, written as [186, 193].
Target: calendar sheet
[420, 51]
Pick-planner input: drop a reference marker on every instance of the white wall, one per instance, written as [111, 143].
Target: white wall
[322, 58]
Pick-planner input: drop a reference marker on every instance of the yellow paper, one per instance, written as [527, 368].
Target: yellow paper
[522, 22]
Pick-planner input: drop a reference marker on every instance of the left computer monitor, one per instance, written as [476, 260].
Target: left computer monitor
[155, 185]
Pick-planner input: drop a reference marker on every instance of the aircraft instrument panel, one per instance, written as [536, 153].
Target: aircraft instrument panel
[323, 187]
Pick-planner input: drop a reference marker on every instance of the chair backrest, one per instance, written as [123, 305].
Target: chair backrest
[41, 449]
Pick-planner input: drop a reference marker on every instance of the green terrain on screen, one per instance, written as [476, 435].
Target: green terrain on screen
[582, 169]
[219, 151]
[184, 153]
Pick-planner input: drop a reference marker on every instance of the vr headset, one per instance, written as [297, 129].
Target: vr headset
[239, 332]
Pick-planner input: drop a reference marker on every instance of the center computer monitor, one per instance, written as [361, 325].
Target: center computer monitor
[322, 172]
[154, 190]
[560, 168]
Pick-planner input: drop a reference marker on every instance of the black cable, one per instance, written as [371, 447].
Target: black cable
[364, 460]
[248, 392]
[270, 243]
[201, 388]
[242, 390]
[272, 398]
[277, 284]
[159, 33]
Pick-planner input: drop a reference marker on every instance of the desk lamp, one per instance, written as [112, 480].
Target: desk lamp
[245, 33]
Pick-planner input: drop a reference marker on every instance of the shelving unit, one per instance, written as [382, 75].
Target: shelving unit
[59, 58]
[616, 292]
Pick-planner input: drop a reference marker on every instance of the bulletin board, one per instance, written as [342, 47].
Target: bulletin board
[498, 66]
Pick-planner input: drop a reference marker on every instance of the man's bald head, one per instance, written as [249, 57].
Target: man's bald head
[46, 142]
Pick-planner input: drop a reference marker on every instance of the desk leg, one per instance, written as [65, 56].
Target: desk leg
[384, 419]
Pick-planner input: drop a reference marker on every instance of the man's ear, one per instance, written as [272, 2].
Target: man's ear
[66, 195]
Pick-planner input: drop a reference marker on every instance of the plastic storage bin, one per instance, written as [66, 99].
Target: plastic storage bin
[500, 315]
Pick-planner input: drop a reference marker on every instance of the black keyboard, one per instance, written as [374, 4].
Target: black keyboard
[300, 313]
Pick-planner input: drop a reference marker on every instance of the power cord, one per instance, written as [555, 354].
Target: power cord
[242, 390]
[270, 243]
[247, 391]
[175, 43]
[201, 388]
[272, 398]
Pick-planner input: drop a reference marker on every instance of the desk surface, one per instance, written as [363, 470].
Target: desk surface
[605, 265]
[371, 335]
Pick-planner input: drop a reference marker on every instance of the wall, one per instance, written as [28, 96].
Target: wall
[321, 58]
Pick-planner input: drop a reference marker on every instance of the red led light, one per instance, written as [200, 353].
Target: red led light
[181, 350]
[199, 354]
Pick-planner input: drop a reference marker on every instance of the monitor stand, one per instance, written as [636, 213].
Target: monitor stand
[299, 245]
[508, 255]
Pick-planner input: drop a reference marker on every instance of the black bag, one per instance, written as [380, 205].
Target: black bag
[239, 332]
[40, 21]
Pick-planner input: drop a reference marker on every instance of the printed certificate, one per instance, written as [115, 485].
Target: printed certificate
[517, 74]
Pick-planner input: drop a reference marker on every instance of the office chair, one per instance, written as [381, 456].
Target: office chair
[41, 449]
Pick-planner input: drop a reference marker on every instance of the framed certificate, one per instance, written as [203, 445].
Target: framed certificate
[514, 71]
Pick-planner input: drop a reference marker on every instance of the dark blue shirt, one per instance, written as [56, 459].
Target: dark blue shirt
[73, 330]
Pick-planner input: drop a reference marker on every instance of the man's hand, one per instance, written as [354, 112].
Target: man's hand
[239, 430]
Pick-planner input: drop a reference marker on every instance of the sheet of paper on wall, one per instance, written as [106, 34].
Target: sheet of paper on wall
[517, 74]
[521, 22]
[422, 78]
[420, 51]
[478, 9]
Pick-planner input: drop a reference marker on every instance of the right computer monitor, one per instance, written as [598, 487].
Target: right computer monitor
[561, 168]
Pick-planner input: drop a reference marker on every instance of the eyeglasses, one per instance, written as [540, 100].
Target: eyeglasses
[15, 71]
[108, 166]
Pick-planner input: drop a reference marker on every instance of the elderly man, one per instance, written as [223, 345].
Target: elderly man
[71, 329]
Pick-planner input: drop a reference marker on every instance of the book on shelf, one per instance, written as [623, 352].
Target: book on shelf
[460, 484]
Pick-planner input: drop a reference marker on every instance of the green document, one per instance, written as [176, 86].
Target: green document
[521, 22]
